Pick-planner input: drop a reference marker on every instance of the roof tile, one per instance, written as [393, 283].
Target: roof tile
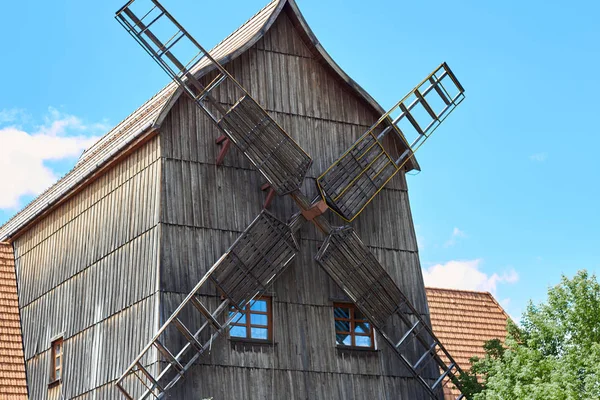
[13, 384]
[463, 321]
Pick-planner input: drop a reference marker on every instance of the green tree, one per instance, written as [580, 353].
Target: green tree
[553, 355]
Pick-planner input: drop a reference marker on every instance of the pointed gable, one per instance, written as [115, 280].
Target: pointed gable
[149, 117]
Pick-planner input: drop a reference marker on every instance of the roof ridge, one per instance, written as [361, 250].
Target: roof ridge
[151, 114]
[489, 294]
[160, 92]
[119, 131]
[243, 25]
[459, 290]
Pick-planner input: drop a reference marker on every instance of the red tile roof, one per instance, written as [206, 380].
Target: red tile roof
[13, 384]
[463, 321]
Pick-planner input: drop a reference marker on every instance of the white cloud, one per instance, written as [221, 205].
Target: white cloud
[456, 234]
[539, 157]
[466, 275]
[11, 115]
[24, 152]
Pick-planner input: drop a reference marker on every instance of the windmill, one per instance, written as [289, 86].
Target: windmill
[267, 246]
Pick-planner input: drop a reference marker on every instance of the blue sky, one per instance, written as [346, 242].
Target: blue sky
[508, 197]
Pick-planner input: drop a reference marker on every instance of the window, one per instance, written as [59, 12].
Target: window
[352, 328]
[56, 368]
[254, 322]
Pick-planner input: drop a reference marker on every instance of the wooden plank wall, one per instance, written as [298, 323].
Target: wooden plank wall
[205, 207]
[88, 271]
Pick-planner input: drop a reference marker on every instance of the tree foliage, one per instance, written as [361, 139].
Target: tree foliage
[553, 355]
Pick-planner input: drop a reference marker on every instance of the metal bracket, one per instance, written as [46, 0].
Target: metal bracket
[225, 143]
[270, 195]
[316, 209]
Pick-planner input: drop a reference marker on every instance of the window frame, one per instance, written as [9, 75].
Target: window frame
[54, 377]
[352, 320]
[248, 325]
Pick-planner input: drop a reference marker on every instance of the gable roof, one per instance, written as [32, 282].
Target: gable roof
[148, 118]
[463, 321]
[13, 384]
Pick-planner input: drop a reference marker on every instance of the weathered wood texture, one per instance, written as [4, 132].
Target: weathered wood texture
[88, 271]
[205, 207]
[108, 266]
[251, 383]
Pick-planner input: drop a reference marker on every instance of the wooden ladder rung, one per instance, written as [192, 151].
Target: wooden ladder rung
[204, 311]
[152, 22]
[170, 45]
[440, 92]
[426, 105]
[150, 377]
[168, 355]
[188, 335]
[412, 120]
[215, 82]
[424, 356]
[441, 378]
[407, 334]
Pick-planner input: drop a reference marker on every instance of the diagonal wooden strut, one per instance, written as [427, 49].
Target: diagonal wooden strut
[354, 268]
[267, 246]
[350, 183]
[246, 124]
[263, 251]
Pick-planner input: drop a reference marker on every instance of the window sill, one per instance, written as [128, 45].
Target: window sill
[54, 383]
[242, 344]
[362, 351]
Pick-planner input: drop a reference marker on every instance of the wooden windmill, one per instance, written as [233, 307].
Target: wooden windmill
[268, 245]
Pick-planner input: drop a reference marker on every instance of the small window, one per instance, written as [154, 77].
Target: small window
[352, 328]
[56, 368]
[254, 322]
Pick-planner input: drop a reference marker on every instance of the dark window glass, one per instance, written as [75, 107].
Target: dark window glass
[57, 360]
[351, 327]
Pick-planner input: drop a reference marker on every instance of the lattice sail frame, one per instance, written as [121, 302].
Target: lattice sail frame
[257, 257]
[350, 264]
[351, 182]
[284, 165]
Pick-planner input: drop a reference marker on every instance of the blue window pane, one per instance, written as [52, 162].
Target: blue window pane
[341, 312]
[363, 341]
[259, 305]
[259, 333]
[239, 319]
[344, 340]
[342, 326]
[258, 319]
[362, 327]
[238, 331]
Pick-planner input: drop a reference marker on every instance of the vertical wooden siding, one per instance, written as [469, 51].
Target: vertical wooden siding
[205, 207]
[88, 271]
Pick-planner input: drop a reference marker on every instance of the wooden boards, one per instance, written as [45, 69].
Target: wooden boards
[258, 256]
[351, 183]
[281, 161]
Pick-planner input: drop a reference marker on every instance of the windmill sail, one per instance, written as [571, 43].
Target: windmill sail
[268, 147]
[363, 170]
[268, 245]
[245, 271]
[355, 269]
